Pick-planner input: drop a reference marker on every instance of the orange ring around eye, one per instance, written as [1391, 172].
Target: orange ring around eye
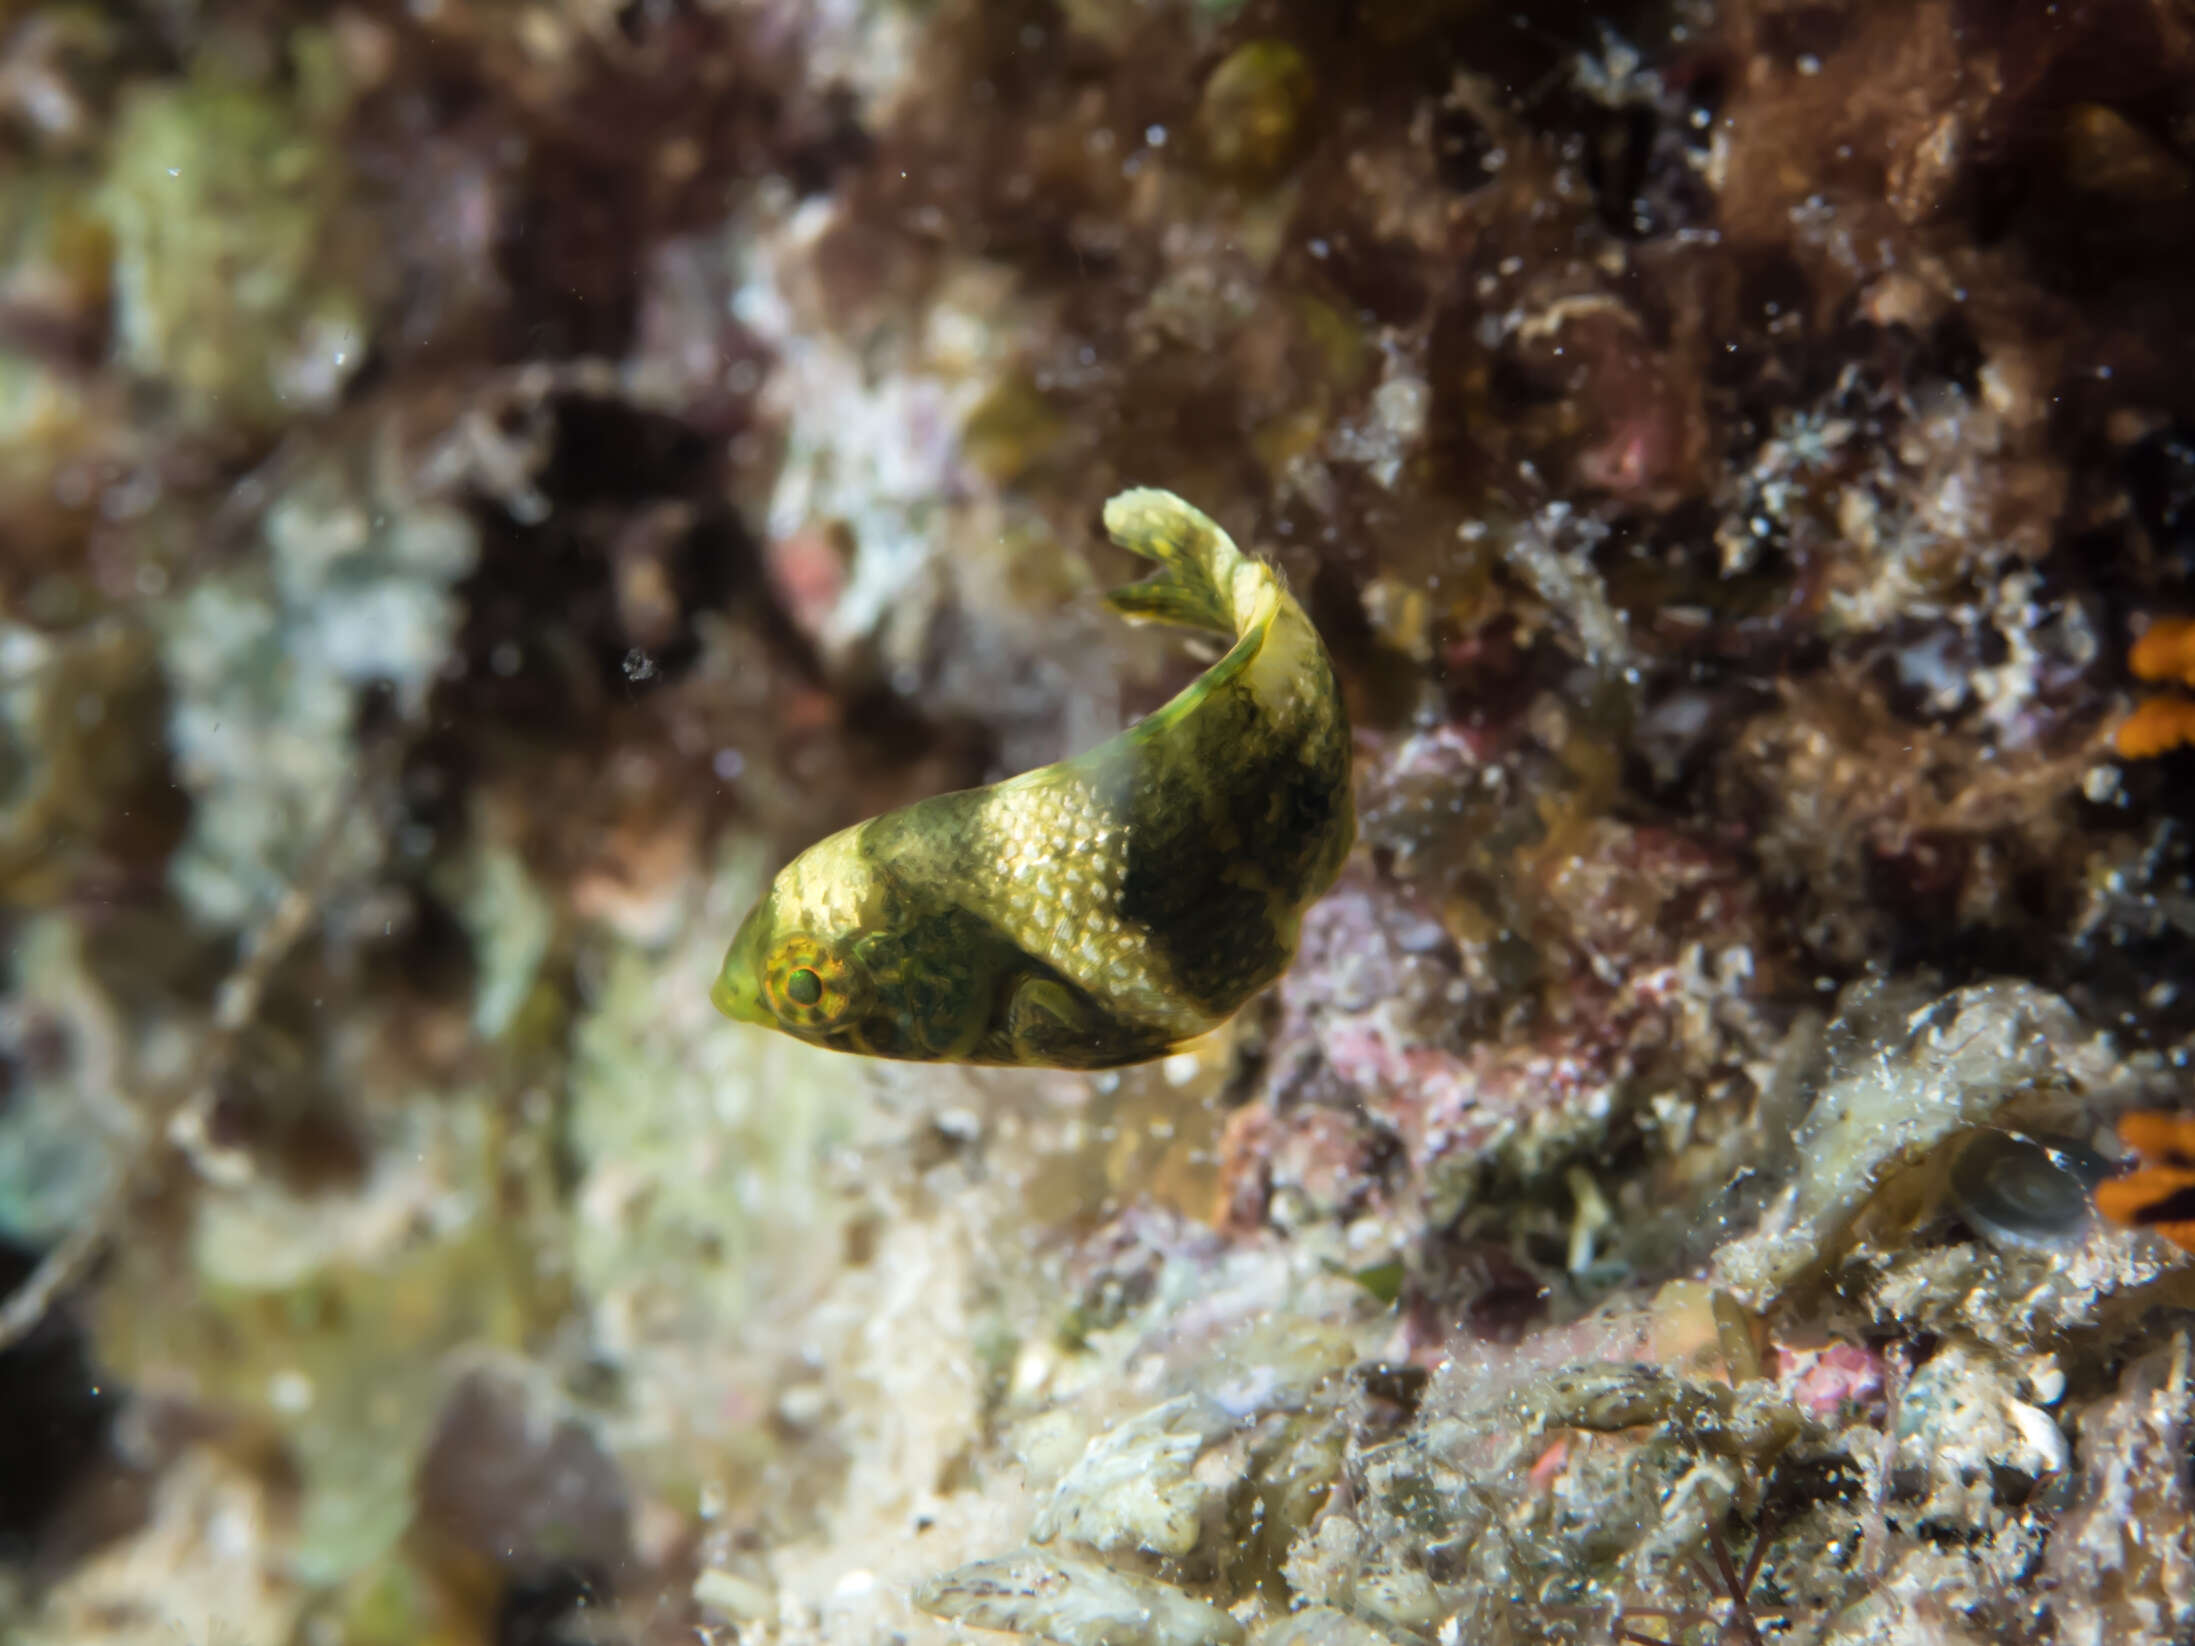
[807, 984]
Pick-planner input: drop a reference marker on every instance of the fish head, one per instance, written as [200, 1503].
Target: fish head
[792, 964]
[737, 991]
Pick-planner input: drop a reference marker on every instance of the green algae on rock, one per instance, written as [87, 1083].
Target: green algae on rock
[1938, 1069]
[1136, 1489]
[211, 1555]
[325, 1323]
[243, 276]
[64, 1127]
[1076, 1602]
[1325, 1626]
[56, 258]
[1254, 107]
[75, 757]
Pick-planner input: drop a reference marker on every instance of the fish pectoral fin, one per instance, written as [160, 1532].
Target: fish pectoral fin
[1044, 1019]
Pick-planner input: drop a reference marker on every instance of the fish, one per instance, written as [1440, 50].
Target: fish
[2158, 1194]
[1103, 910]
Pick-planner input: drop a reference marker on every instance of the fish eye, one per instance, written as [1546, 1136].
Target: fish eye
[810, 987]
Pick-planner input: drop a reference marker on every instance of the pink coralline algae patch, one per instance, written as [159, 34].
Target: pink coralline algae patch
[1464, 1109]
[1825, 1379]
[808, 571]
[1490, 1017]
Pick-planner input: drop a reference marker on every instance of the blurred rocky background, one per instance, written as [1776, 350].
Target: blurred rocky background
[483, 481]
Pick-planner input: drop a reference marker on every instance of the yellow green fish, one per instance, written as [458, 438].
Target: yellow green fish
[1102, 910]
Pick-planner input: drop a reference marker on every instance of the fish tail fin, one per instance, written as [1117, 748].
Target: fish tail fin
[1199, 583]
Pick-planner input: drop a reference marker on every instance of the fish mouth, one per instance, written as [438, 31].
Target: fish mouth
[737, 991]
